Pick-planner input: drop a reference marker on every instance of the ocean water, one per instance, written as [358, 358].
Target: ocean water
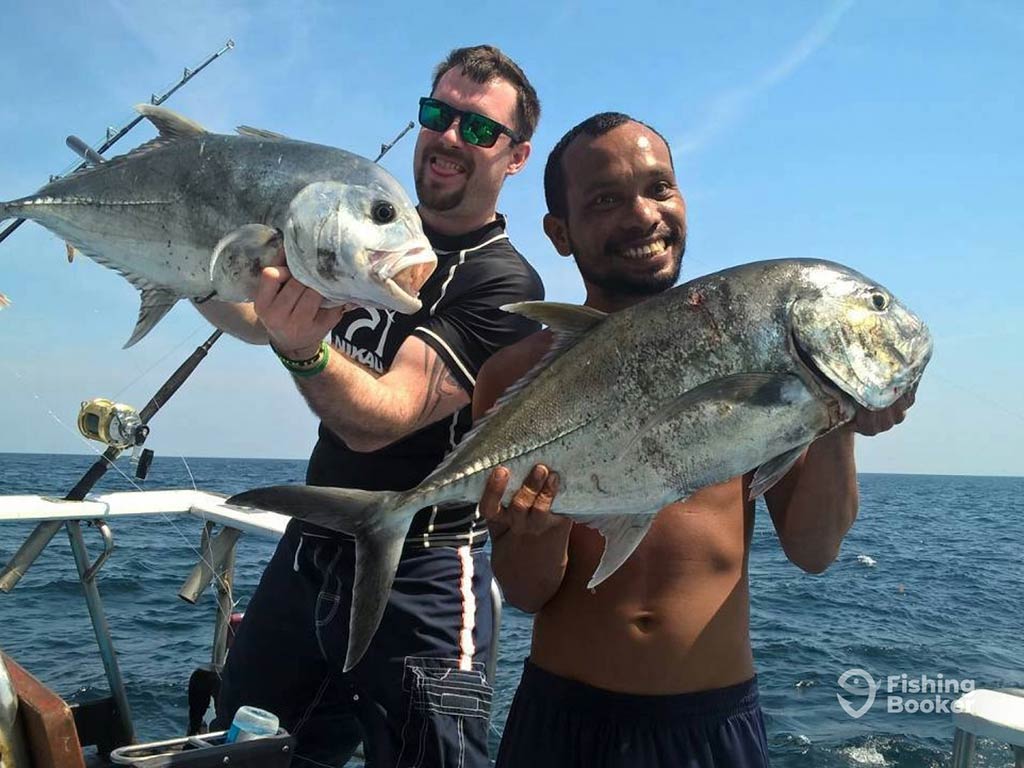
[929, 583]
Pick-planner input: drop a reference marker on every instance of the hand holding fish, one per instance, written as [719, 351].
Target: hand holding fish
[526, 535]
[529, 510]
[871, 423]
[292, 313]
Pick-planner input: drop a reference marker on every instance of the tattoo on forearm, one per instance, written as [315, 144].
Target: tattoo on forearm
[440, 386]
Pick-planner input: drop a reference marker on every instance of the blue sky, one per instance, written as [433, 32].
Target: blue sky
[884, 135]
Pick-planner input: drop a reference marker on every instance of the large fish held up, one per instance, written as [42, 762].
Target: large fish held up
[736, 371]
[193, 214]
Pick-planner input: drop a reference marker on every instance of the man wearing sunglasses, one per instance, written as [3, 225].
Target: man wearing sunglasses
[393, 398]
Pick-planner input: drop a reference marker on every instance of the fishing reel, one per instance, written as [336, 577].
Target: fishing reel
[118, 426]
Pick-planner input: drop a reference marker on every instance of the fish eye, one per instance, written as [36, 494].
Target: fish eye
[879, 300]
[383, 212]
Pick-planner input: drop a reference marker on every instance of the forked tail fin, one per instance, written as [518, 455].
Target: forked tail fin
[379, 521]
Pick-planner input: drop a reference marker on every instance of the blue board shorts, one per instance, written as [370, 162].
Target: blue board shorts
[555, 722]
[419, 697]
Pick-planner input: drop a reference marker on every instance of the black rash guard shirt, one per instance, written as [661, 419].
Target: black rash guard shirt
[462, 321]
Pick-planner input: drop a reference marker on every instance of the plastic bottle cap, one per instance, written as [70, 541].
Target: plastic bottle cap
[252, 723]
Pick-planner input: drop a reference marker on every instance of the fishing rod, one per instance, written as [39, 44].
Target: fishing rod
[385, 147]
[115, 135]
[45, 531]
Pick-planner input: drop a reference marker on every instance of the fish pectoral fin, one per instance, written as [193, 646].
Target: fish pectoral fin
[240, 256]
[769, 473]
[622, 535]
[379, 520]
[170, 124]
[156, 302]
[741, 387]
[260, 133]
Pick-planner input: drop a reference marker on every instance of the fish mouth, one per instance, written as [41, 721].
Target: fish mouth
[836, 391]
[403, 273]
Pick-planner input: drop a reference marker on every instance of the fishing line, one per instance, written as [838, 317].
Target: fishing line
[133, 382]
[130, 480]
[191, 477]
[220, 579]
[977, 396]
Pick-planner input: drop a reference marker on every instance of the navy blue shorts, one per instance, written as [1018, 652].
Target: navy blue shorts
[419, 697]
[555, 722]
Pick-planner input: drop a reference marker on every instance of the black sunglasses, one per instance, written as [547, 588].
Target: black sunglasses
[474, 128]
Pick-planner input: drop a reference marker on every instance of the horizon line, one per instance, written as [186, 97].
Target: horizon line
[306, 459]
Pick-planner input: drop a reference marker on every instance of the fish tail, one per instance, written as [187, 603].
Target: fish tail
[379, 521]
[4, 212]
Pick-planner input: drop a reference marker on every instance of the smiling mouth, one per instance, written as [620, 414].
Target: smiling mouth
[446, 166]
[647, 250]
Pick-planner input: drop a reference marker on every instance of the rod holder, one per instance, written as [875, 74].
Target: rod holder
[216, 553]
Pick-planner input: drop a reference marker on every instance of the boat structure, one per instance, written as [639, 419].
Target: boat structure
[40, 729]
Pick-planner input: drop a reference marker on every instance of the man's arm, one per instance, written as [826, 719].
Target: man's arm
[369, 413]
[529, 545]
[239, 320]
[815, 504]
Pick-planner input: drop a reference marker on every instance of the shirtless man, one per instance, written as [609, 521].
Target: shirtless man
[654, 666]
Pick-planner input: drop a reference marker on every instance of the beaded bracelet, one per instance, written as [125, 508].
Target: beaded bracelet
[311, 366]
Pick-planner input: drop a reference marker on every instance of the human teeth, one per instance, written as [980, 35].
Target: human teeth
[643, 251]
[448, 165]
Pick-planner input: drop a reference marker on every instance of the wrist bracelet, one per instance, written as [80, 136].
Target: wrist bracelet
[311, 366]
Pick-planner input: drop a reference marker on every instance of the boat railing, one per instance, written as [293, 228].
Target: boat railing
[222, 527]
[989, 714]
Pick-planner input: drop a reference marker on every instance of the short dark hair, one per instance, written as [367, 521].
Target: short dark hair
[483, 63]
[554, 172]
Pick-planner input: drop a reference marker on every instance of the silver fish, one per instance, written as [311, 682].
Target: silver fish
[735, 371]
[193, 214]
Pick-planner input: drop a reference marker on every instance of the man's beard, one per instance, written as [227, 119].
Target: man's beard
[435, 199]
[623, 282]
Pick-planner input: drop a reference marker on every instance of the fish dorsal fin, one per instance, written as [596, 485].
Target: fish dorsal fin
[259, 133]
[156, 302]
[567, 321]
[622, 535]
[170, 124]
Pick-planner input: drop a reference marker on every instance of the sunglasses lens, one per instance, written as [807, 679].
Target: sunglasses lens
[479, 130]
[434, 115]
